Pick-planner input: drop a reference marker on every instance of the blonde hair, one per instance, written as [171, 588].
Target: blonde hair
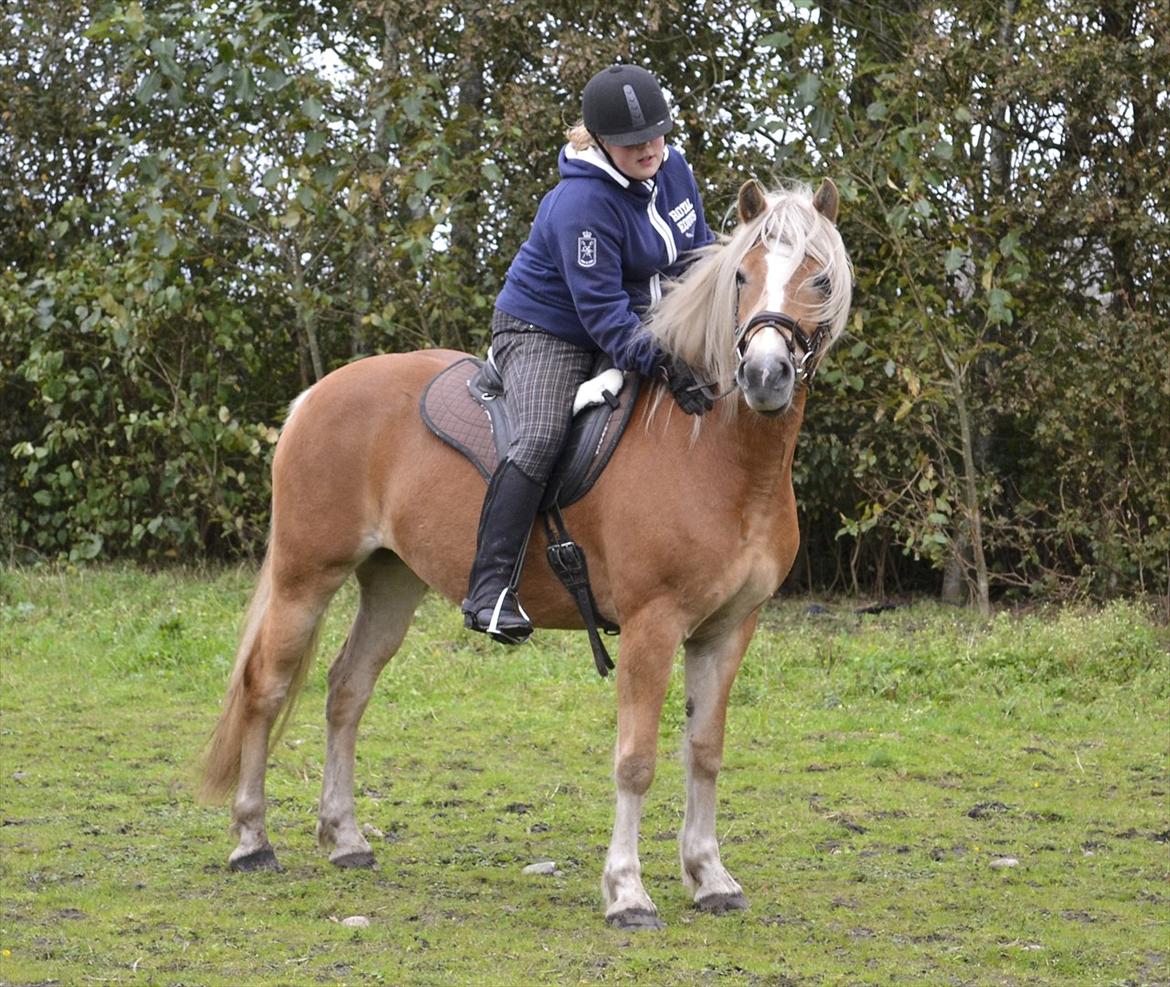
[578, 135]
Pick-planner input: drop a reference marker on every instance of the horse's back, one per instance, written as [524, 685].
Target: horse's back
[372, 381]
[353, 454]
[351, 404]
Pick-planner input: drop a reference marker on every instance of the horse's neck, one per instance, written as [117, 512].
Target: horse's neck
[766, 446]
[745, 460]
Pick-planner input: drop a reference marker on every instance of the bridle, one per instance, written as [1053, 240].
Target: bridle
[794, 336]
[804, 369]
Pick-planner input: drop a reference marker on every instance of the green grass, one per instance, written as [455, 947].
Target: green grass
[876, 767]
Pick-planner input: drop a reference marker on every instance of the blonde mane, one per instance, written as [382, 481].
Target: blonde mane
[696, 317]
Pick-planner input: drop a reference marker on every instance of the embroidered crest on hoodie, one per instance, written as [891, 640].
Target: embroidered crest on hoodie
[586, 249]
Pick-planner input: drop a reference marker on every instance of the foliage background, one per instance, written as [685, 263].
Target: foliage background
[206, 206]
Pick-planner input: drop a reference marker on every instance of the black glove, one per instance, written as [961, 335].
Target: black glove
[691, 394]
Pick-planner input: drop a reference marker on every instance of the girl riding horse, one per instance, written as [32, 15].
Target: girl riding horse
[625, 213]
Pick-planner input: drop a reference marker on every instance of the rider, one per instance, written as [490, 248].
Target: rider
[624, 212]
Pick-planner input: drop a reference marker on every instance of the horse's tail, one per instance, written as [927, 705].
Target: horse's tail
[221, 760]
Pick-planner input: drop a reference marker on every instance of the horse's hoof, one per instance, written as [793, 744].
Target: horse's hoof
[359, 858]
[721, 904]
[635, 920]
[256, 860]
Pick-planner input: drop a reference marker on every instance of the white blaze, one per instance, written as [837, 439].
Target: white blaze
[769, 342]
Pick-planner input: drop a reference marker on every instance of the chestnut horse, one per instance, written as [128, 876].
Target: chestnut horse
[688, 532]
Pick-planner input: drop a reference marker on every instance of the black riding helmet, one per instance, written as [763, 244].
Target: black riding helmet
[624, 105]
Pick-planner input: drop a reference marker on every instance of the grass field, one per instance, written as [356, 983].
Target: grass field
[880, 771]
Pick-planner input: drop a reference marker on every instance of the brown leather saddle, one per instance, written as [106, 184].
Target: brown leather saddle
[465, 406]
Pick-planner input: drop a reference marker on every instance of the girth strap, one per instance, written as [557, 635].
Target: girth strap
[568, 562]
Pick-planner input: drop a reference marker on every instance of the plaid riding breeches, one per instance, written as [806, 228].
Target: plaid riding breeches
[541, 375]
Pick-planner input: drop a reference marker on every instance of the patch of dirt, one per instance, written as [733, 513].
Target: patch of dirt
[843, 820]
[777, 920]
[882, 849]
[1137, 834]
[565, 788]
[927, 939]
[751, 836]
[939, 781]
[1155, 967]
[983, 810]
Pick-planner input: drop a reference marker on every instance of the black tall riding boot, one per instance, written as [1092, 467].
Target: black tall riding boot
[509, 509]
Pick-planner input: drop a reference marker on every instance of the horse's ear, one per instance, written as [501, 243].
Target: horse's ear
[752, 200]
[827, 201]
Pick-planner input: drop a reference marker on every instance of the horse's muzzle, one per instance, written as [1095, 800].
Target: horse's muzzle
[767, 378]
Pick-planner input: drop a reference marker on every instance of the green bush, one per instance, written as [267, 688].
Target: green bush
[143, 431]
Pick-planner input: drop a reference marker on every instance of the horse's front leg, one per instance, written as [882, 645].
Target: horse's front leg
[647, 653]
[711, 665]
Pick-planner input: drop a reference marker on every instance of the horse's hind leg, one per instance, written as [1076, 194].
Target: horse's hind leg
[270, 677]
[711, 666]
[390, 592]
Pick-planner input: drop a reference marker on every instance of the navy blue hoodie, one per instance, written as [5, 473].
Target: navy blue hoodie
[597, 251]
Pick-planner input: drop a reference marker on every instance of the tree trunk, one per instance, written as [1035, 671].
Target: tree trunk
[365, 254]
[465, 211]
[971, 506]
[954, 586]
[306, 320]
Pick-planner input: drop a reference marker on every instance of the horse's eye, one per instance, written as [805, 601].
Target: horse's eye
[822, 284]
[740, 279]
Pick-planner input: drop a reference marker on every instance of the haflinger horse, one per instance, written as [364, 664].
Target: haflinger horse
[688, 532]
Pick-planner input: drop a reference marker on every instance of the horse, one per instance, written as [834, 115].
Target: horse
[689, 531]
